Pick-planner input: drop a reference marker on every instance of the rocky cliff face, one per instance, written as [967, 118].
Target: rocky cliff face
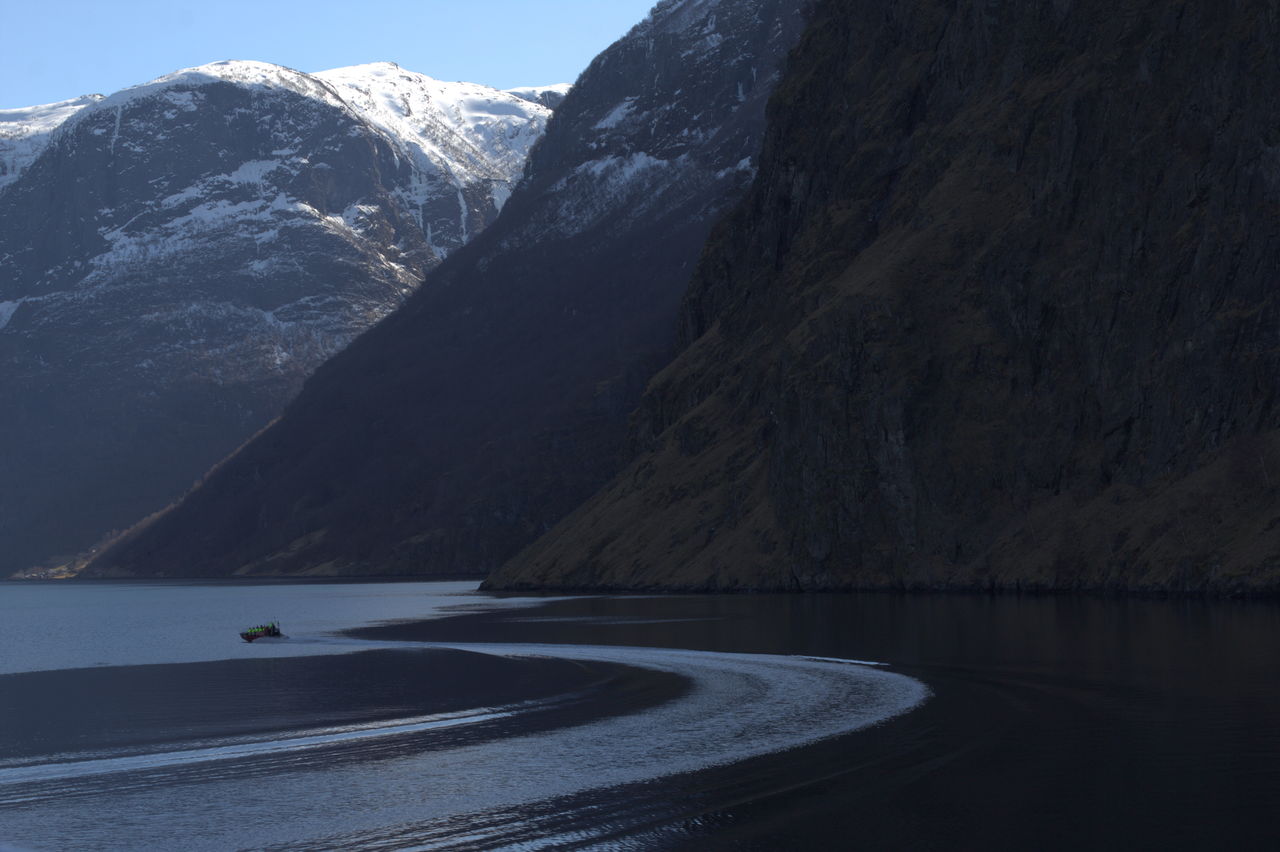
[999, 312]
[497, 398]
[176, 258]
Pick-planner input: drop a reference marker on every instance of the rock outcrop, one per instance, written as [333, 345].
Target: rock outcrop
[1000, 311]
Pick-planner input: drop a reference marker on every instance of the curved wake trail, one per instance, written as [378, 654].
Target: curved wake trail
[243, 748]
[739, 706]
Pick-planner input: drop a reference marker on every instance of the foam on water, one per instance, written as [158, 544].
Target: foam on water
[739, 706]
[63, 767]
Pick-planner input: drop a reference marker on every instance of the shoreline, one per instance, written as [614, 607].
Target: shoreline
[535, 591]
[923, 590]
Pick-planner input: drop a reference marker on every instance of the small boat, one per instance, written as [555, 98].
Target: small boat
[270, 630]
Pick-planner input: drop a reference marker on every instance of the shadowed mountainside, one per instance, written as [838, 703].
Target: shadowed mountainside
[1000, 311]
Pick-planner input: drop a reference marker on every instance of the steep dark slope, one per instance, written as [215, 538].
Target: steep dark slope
[496, 400]
[1000, 311]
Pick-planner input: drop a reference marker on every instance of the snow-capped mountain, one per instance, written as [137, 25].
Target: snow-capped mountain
[467, 143]
[453, 433]
[176, 258]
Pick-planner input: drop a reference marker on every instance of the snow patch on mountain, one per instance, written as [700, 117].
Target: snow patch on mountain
[7, 310]
[176, 87]
[252, 174]
[549, 96]
[620, 170]
[466, 144]
[465, 130]
[462, 139]
[743, 166]
[185, 232]
[678, 15]
[25, 132]
[619, 185]
[616, 115]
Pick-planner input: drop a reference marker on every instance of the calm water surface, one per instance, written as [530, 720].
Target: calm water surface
[61, 625]
[632, 722]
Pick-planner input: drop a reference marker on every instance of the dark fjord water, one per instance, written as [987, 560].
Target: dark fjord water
[131, 716]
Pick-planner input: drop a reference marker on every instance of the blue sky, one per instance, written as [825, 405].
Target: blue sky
[59, 49]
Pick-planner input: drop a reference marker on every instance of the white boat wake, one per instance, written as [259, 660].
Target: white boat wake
[738, 706]
[66, 767]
